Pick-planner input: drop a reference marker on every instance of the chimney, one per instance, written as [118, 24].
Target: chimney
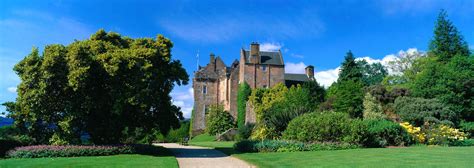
[255, 53]
[310, 72]
[212, 61]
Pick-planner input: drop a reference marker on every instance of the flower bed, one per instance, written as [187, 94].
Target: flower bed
[38, 151]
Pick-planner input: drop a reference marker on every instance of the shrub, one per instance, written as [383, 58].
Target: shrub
[468, 127]
[6, 145]
[177, 135]
[245, 132]
[218, 120]
[383, 133]
[319, 127]
[242, 97]
[466, 142]
[435, 134]
[372, 108]
[295, 103]
[68, 151]
[418, 110]
[287, 146]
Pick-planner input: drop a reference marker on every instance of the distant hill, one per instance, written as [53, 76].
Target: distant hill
[5, 121]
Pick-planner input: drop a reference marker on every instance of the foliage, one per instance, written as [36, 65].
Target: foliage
[415, 132]
[434, 134]
[350, 70]
[418, 110]
[319, 127]
[242, 97]
[372, 74]
[447, 41]
[466, 142]
[287, 146]
[383, 133]
[348, 97]
[372, 108]
[218, 120]
[100, 86]
[468, 127]
[176, 135]
[67, 151]
[262, 100]
[296, 101]
[245, 132]
[317, 92]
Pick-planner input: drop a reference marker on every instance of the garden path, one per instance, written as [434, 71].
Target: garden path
[195, 157]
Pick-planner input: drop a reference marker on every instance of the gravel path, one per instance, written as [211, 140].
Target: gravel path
[195, 156]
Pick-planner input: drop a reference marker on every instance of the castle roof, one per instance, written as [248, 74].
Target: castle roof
[266, 57]
[296, 77]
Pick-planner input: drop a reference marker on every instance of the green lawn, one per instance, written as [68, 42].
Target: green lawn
[374, 157]
[162, 159]
[419, 156]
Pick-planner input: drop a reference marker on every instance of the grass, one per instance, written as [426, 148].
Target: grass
[129, 160]
[373, 157]
[417, 156]
[203, 138]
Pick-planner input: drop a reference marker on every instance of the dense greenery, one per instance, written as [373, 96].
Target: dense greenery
[417, 111]
[218, 120]
[242, 98]
[287, 146]
[317, 92]
[348, 97]
[381, 133]
[101, 86]
[319, 127]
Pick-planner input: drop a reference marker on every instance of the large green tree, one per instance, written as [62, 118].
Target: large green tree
[447, 74]
[104, 86]
[447, 41]
[350, 70]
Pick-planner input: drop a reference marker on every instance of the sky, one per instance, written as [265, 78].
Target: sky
[317, 33]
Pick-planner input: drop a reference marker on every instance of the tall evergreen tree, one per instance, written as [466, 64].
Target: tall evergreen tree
[447, 41]
[349, 69]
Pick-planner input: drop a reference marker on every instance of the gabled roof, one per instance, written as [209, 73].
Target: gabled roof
[266, 57]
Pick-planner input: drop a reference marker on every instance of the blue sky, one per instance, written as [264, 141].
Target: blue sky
[315, 33]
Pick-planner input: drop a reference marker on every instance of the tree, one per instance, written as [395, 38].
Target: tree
[447, 41]
[349, 69]
[242, 97]
[101, 86]
[372, 74]
[372, 108]
[316, 92]
[348, 97]
[218, 120]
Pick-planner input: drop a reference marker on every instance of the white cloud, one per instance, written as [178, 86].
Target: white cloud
[327, 77]
[183, 97]
[270, 46]
[296, 68]
[11, 89]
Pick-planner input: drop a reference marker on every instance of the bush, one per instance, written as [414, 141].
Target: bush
[218, 120]
[39, 151]
[468, 127]
[466, 142]
[418, 110]
[319, 127]
[177, 135]
[287, 146]
[6, 145]
[383, 133]
[245, 132]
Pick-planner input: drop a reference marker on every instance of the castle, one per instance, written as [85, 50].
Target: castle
[217, 83]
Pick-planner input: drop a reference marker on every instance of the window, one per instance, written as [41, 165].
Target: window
[265, 86]
[204, 89]
[204, 110]
[264, 67]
